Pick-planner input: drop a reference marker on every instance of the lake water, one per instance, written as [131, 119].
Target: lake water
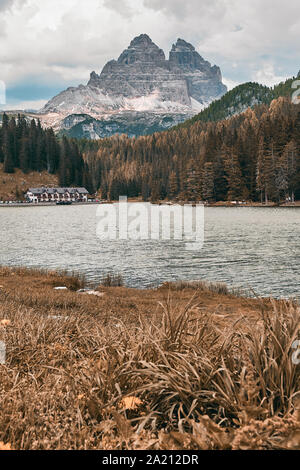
[257, 248]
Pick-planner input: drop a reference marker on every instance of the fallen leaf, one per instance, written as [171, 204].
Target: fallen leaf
[5, 446]
[130, 403]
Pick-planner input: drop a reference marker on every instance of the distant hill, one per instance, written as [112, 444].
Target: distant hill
[239, 100]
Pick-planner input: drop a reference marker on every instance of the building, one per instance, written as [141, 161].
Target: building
[37, 195]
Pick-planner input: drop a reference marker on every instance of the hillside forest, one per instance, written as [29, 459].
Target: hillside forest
[26, 145]
[250, 156]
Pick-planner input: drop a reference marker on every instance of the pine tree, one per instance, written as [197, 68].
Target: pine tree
[8, 149]
[269, 170]
[173, 186]
[24, 155]
[193, 182]
[208, 182]
[260, 180]
[234, 176]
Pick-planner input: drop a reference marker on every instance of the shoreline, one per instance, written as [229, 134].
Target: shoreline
[48, 204]
[170, 203]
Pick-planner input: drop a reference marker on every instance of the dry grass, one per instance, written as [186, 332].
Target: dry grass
[216, 287]
[13, 186]
[156, 369]
[112, 280]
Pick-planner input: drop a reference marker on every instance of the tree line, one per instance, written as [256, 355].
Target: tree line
[26, 145]
[239, 98]
[251, 156]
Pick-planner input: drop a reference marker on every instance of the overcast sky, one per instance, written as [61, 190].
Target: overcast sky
[48, 45]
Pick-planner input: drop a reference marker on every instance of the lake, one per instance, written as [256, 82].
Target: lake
[256, 248]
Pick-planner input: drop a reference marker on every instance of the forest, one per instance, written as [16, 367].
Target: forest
[240, 98]
[251, 156]
[26, 145]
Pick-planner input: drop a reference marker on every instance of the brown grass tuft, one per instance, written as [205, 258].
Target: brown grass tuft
[158, 369]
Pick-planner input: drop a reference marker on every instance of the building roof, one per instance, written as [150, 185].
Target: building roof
[40, 191]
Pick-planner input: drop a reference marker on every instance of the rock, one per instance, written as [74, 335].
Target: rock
[92, 292]
[204, 81]
[142, 84]
[60, 288]
[142, 50]
[58, 317]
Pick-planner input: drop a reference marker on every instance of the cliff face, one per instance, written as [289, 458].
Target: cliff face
[204, 81]
[141, 81]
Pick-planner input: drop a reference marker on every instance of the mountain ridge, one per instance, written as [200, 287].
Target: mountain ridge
[142, 81]
[239, 99]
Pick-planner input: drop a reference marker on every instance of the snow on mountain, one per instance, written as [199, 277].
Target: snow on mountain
[140, 83]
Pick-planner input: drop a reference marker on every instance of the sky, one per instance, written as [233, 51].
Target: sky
[49, 45]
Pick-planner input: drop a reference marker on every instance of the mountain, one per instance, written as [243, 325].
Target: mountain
[239, 99]
[140, 93]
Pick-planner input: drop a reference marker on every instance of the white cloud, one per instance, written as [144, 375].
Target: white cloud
[32, 105]
[230, 83]
[7, 4]
[267, 76]
[122, 8]
[61, 42]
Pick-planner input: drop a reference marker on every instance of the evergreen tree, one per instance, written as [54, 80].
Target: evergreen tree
[173, 186]
[260, 180]
[193, 182]
[234, 176]
[208, 182]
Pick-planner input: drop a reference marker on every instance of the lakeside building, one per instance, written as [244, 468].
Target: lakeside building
[37, 195]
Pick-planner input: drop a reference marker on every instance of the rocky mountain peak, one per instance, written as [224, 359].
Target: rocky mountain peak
[141, 49]
[140, 86]
[184, 55]
[143, 40]
[181, 45]
[93, 76]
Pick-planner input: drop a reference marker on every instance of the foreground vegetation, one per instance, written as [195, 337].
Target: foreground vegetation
[185, 366]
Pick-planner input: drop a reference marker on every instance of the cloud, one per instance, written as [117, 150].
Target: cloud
[31, 105]
[5, 4]
[8, 4]
[230, 83]
[267, 75]
[56, 44]
[122, 8]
